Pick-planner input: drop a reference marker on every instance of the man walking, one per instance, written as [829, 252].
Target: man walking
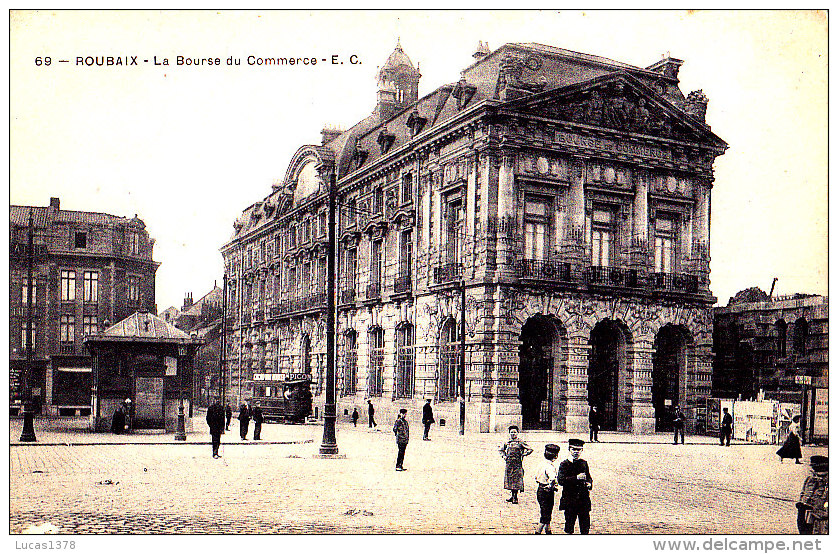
[244, 421]
[257, 422]
[371, 414]
[593, 422]
[402, 431]
[575, 479]
[678, 424]
[726, 428]
[427, 419]
[228, 412]
[215, 420]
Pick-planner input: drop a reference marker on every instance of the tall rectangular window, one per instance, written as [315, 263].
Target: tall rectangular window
[24, 294]
[134, 242]
[91, 286]
[350, 363]
[375, 262]
[305, 280]
[602, 237]
[375, 385]
[90, 325]
[455, 230]
[406, 253]
[350, 269]
[665, 240]
[407, 187]
[292, 236]
[449, 362]
[536, 229]
[67, 328]
[321, 274]
[292, 282]
[80, 240]
[133, 289]
[404, 362]
[24, 336]
[68, 285]
[324, 223]
[378, 201]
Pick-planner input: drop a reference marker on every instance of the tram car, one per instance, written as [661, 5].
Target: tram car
[287, 400]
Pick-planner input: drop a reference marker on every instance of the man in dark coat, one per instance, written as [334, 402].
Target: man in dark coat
[813, 507]
[228, 413]
[118, 421]
[678, 424]
[257, 422]
[215, 420]
[726, 428]
[402, 431]
[594, 422]
[244, 421]
[576, 482]
[371, 414]
[427, 419]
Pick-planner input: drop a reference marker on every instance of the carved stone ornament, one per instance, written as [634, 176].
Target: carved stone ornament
[618, 107]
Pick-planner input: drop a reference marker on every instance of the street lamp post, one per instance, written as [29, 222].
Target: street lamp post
[28, 432]
[180, 433]
[329, 446]
[463, 355]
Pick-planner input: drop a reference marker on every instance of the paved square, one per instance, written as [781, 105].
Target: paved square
[453, 484]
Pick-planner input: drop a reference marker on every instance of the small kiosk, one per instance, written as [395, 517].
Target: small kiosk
[146, 360]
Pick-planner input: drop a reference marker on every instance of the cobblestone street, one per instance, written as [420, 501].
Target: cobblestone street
[453, 484]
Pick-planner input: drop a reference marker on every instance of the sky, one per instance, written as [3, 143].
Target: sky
[188, 148]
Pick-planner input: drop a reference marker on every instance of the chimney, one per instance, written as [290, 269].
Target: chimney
[696, 105]
[482, 51]
[55, 203]
[187, 301]
[329, 135]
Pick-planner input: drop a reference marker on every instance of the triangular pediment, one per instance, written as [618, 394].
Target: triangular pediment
[619, 102]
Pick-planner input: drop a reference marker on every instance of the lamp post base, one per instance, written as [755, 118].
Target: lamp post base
[180, 434]
[28, 432]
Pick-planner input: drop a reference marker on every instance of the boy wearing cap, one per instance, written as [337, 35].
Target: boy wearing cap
[402, 431]
[575, 479]
[813, 508]
[546, 477]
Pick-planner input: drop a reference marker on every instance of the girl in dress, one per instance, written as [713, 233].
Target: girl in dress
[513, 451]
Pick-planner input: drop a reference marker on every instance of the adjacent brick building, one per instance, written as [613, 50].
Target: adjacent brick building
[568, 194]
[768, 344]
[90, 270]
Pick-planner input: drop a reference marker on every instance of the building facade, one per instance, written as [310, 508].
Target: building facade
[89, 270]
[766, 346]
[549, 212]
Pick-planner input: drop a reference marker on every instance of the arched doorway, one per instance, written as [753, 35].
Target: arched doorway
[535, 373]
[669, 370]
[606, 363]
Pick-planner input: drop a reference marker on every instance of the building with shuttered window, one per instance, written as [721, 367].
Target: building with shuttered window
[89, 270]
[566, 193]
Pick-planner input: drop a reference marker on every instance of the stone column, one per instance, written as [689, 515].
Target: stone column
[507, 215]
[469, 246]
[642, 410]
[576, 410]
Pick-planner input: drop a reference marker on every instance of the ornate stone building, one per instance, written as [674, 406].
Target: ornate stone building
[568, 194]
[89, 270]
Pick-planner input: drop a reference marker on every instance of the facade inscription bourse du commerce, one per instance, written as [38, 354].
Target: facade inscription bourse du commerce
[568, 194]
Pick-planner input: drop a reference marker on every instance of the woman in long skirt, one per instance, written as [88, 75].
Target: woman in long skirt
[513, 451]
[791, 448]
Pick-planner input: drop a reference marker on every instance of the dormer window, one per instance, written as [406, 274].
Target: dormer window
[359, 157]
[385, 141]
[416, 123]
[80, 240]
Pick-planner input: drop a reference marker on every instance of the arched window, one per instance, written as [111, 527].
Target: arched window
[404, 361]
[782, 331]
[801, 333]
[375, 380]
[306, 361]
[449, 354]
[350, 363]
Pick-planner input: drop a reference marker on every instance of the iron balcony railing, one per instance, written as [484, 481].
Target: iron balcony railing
[373, 291]
[678, 282]
[445, 273]
[403, 283]
[612, 276]
[545, 270]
